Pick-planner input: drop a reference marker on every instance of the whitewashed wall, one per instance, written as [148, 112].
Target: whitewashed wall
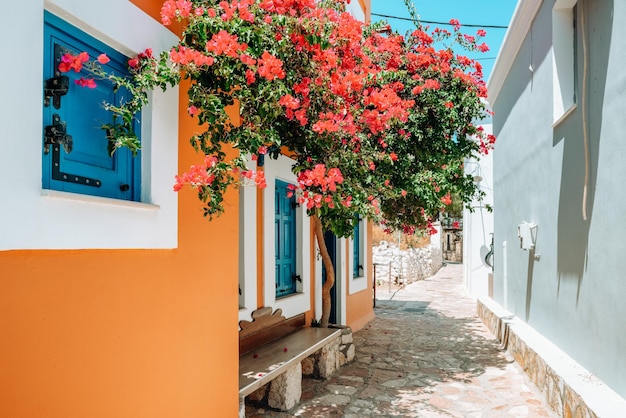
[573, 294]
[33, 218]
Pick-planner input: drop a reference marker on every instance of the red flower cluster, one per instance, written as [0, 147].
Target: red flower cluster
[312, 79]
[242, 7]
[172, 9]
[270, 67]
[197, 176]
[136, 62]
[73, 62]
[285, 7]
[257, 176]
[186, 56]
[86, 82]
[318, 186]
[223, 43]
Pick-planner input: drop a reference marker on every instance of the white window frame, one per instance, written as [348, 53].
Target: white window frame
[564, 66]
[358, 284]
[300, 301]
[247, 249]
[34, 218]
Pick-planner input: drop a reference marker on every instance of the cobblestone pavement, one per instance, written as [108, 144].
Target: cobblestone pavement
[425, 355]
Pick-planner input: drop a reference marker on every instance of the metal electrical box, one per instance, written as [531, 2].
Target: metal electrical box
[527, 233]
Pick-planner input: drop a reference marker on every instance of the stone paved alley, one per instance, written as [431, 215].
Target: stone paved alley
[425, 355]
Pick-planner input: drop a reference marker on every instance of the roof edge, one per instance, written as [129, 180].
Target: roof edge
[519, 26]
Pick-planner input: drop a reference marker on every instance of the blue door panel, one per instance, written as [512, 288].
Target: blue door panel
[356, 250]
[83, 113]
[285, 240]
[288, 248]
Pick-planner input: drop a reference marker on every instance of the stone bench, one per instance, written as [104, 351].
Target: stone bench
[272, 349]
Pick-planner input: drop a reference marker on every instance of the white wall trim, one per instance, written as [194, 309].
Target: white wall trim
[520, 25]
[33, 218]
[301, 301]
[358, 284]
[341, 281]
[248, 248]
[563, 60]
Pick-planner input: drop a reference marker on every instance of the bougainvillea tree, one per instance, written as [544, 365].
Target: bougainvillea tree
[377, 124]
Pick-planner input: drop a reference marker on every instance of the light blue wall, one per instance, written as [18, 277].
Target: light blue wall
[575, 295]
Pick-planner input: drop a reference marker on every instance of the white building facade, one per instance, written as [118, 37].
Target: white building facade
[557, 91]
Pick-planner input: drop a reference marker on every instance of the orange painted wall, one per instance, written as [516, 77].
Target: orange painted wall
[125, 333]
[359, 306]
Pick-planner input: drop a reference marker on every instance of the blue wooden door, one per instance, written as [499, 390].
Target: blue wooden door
[83, 163]
[357, 264]
[285, 240]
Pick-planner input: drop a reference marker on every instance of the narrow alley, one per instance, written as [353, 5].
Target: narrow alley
[425, 355]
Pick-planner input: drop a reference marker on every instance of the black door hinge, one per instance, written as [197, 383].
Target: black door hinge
[56, 134]
[55, 88]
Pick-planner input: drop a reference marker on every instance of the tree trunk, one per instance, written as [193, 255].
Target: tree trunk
[330, 271]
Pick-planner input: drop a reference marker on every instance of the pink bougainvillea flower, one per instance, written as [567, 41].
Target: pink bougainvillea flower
[175, 8]
[73, 62]
[145, 54]
[481, 33]
[446, 200]
[133, 62]
[455, 224]
[86, 82]
[192, 110]
[247, 59]
[259, 180]
[270, 67]
[223, 43]
[250, 77]
[483, 47]
[64, 65]
[432, 84]
[103, 59]
[455, 23]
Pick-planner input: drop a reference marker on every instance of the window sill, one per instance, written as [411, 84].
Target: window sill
[290, 295]
[564, 116]
[55, 194]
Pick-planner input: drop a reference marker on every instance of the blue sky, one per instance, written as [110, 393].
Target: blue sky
[477, 12]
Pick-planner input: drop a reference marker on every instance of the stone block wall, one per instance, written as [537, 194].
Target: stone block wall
[326, 361]
[570, 390]
[405, 266]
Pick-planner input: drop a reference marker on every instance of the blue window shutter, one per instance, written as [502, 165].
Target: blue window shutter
[86, 167]
[356, 249]
[285, 240]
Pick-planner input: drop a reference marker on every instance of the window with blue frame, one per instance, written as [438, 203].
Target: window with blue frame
[75, 152]
[357, 249]
[285, 240]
